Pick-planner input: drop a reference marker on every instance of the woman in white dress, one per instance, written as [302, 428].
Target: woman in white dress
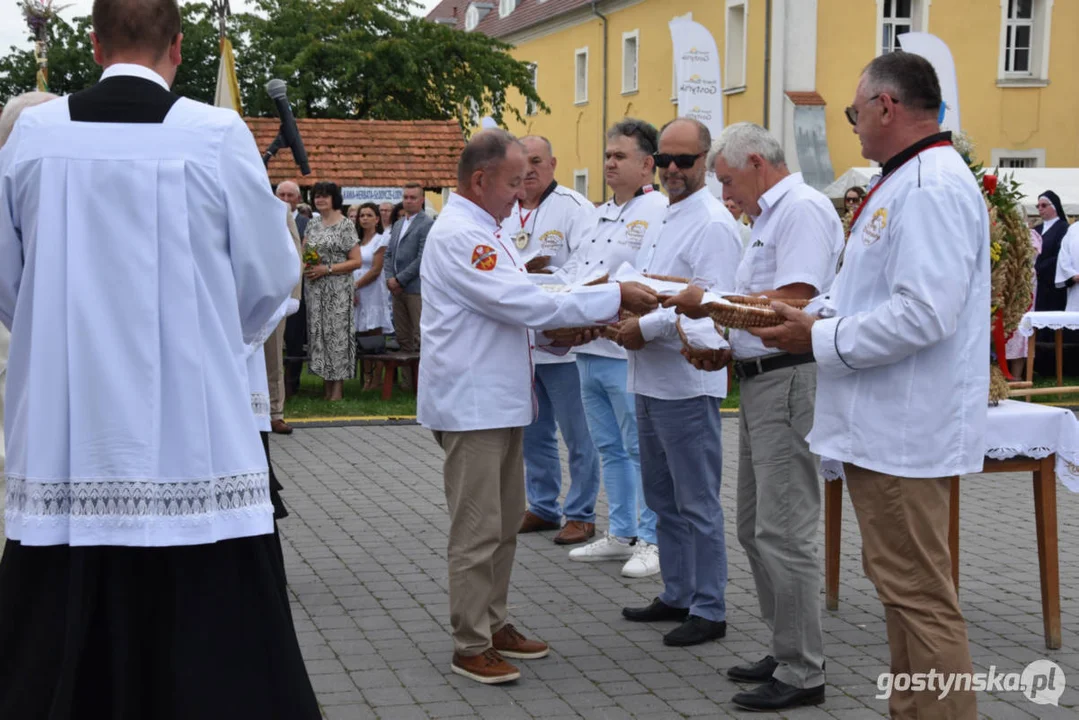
[371, 298]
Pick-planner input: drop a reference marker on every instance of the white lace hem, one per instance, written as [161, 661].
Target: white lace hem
[1052, 320]
[260, 404]
[137, 512]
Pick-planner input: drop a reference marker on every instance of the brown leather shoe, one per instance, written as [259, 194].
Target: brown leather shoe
[513, 644]
[489, 667]
[534, 523]
[575, 532]
[281, 427]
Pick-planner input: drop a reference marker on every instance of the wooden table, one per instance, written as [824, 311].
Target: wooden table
[390, 361]
[1045, 522]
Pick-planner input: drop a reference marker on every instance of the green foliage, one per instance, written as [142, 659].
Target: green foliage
[359, 59]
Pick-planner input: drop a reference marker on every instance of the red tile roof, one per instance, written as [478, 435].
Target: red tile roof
[525, 15]
[805, 98]
[368, 153]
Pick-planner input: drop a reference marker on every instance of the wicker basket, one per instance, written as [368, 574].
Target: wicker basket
[747, 312]
[694, 352]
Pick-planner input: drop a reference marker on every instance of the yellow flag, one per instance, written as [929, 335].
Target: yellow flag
[228, 89]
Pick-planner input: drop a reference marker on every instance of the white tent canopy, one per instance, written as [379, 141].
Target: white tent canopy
[1063, 181]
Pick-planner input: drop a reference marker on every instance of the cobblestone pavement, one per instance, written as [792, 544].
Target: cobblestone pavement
[365, 548]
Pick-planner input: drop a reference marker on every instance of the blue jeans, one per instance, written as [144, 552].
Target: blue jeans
[558, 394]
[681, 466]
[612, 418]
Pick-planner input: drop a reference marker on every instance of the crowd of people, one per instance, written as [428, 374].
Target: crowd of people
[143, 573]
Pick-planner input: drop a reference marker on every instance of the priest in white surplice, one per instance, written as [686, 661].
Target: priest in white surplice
[140, 248]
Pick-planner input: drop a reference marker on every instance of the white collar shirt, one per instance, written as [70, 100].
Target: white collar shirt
[697, 240]
[141, 307]
[615, 238]
[478, 305]
[903, 366]
[553, 228]
[1068, 267]
[132, 70]
[796, 239]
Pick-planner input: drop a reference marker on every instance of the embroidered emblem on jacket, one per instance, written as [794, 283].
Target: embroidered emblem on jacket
[484, 257]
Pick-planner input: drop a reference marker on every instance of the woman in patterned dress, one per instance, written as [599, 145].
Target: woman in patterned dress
[328, 291]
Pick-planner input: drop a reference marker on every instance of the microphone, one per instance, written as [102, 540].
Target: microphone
[289, 136]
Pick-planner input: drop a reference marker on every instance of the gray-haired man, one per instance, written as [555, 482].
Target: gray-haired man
[792, 254]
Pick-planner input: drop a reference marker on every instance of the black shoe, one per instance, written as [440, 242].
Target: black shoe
[694, 631]
[655, 612]
[759, 672]
[775, 695]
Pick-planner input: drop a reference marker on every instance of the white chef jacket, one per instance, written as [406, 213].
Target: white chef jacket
[478, 303]
[796, 239]
[135, 262]
[615, 237]
[698, 240]
[903, 368]
[1068, 266]
[555, 227]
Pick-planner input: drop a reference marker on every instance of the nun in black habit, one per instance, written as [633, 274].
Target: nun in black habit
[1053, 227]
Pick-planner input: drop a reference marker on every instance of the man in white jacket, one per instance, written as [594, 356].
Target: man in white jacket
[903, 377]
[475, 390]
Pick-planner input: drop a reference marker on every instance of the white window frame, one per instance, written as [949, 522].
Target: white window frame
[735, 81]
[580, 93]
[531, 108]
[472, 18]
[1041, 31]
[999, 155]
[919, 20]
[505, 7]
[473, 113]
[581, 175]
[674, 61]
[635, 36]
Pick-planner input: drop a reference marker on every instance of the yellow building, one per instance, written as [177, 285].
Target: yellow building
[596, 62]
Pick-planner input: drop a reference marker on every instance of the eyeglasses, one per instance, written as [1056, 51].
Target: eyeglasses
[684, 162]
[1044, 205]
[852, 112]
[853, 200]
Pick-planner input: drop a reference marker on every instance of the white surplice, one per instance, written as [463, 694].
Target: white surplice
[136, 261]
[1068, 267]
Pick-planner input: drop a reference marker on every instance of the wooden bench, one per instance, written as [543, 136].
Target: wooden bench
[390, 361]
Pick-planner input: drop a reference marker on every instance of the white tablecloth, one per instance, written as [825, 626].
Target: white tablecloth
[1017, 429]
[1055, 320]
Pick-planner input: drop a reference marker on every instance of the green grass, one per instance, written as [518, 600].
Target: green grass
[308, 402]
[356, 403]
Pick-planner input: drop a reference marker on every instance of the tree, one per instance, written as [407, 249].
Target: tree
[361, 59]
[370, 59]
[72, 67]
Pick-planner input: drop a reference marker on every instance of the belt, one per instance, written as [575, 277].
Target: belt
[745, 369]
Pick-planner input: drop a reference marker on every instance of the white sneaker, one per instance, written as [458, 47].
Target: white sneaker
[608, 547]
[645, 561]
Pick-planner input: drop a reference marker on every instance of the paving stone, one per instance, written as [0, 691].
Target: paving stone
[365, 549]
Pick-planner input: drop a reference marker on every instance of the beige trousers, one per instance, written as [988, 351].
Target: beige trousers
[275, 371]
[406, 326]
[485, 490]
[904, 525]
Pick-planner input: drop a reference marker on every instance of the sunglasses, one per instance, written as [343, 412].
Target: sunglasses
[852, 200]
[684, 162]
[852, 112]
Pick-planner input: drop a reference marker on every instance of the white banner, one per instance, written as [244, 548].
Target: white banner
[936, 51]
[700, 84]
[357, 195]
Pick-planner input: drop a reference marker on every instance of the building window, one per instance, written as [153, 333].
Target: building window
[472, 18]
[530, 105]
[505, 7]
[735, 45]
[473, 113]
[1005, 158]
[896, 17]
[580, 84]
[629, 61]
[1024, 41]
[580, 181]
